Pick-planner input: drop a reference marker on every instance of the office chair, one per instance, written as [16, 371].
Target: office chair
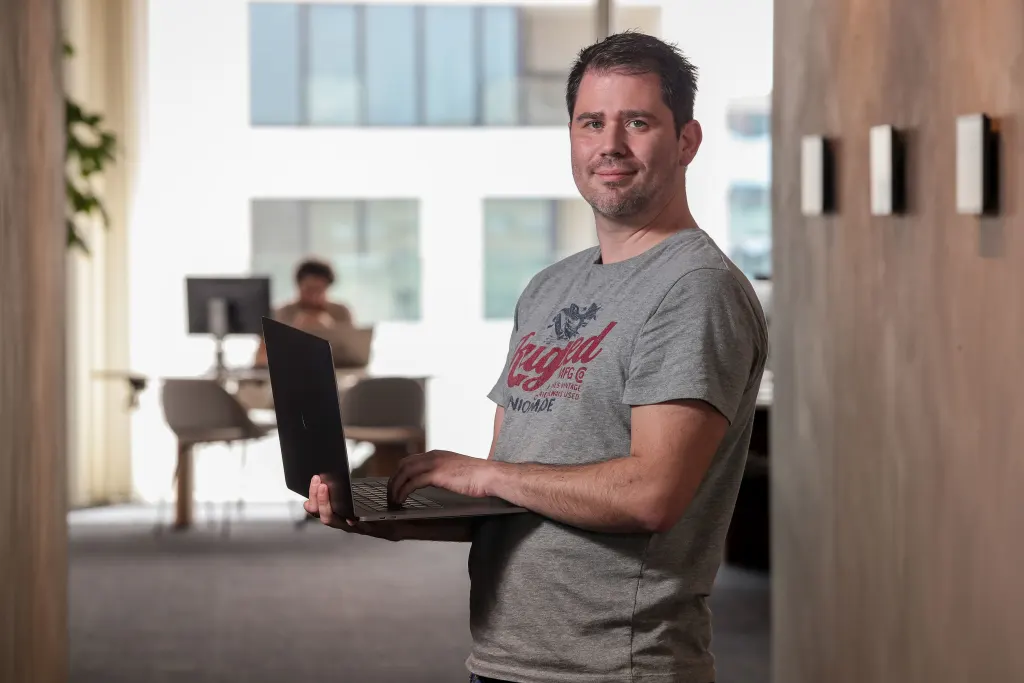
[389, 413]
[201, 411]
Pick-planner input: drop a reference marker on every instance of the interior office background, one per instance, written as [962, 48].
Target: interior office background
[421, 148]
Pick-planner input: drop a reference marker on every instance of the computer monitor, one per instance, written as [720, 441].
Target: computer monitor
[220, 306]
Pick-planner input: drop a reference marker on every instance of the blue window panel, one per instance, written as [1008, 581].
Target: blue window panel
[501, 55]
[275, 97]
[391, 71]
[450, 61]
[333, 86]
[518, 243]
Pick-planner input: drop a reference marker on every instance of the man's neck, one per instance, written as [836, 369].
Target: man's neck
[621, 240]
[306, 306]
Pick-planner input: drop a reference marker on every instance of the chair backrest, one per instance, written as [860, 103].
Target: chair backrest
[384, 402]
[203, 410]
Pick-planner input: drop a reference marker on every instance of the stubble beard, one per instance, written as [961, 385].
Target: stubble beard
[631, 203]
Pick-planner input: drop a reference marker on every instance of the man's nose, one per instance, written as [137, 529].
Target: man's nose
[613, 141]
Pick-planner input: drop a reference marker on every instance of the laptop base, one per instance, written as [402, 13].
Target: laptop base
[425, 503]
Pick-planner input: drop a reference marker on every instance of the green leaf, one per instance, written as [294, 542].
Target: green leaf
[88, 151]
[75, 239]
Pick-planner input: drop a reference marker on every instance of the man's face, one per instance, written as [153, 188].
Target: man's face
[626, 157]
[313, 291]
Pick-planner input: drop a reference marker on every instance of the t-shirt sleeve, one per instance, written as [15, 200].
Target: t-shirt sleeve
[499, 393]
[702, 342]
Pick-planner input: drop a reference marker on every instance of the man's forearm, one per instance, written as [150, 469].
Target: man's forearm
[611, 496]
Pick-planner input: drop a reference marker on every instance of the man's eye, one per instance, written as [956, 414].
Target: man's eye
[592, 124]
[637, 124]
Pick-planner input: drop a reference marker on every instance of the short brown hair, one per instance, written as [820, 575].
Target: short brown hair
[637, 53]
[314, 268]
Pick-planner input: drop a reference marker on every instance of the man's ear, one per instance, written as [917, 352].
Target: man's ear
[690, 138]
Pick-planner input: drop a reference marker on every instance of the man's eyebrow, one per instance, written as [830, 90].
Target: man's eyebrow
[637, 114]
[626, 114]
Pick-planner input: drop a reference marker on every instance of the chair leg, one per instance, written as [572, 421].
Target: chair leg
[161, 506]
[225, 524]
[211, 513]
[240, 502]
[225, 520]
[241, 479]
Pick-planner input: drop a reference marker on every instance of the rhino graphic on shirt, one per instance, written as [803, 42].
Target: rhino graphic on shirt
[570, 320]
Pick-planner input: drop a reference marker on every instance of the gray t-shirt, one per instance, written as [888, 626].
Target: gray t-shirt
[551, 602]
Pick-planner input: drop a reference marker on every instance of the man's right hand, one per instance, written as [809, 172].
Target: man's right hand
[450, 529]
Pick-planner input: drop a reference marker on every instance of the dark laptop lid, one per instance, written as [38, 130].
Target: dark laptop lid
[308, 409]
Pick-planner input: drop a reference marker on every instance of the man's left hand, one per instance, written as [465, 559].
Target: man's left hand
[443, 469]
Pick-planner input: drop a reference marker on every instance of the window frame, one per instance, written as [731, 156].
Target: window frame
[361, 212]
[523, 75]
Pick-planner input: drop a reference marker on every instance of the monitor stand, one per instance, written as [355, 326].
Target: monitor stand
[217, 317]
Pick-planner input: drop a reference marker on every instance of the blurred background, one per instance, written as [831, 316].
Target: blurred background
[416, 157]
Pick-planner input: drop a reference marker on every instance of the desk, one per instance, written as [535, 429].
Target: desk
[136, 383]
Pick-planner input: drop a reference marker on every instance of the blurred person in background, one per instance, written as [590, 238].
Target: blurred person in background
[311, 311]
[623, 413]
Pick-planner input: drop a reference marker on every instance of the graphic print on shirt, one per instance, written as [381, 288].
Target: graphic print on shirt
[552, 366]
[570, 320]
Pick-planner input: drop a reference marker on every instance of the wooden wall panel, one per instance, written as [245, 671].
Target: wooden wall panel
[898, 350]
[33, 527]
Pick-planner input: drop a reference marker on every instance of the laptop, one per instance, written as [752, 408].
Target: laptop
[350, 346]
[310, 428]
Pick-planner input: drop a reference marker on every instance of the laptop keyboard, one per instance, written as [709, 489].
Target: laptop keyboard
[374, 495]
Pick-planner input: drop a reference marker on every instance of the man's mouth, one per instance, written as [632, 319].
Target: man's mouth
[612, 176]
[617, 172]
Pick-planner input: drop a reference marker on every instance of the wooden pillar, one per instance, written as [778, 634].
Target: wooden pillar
[898, 421]
[33, 525]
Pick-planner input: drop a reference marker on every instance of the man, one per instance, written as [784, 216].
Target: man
[311, 311]
[623, 416]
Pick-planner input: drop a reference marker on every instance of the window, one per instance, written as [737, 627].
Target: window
[748, 149]
[274, 65]
[748, 124]
[499, 66]
[750, 226]
[333, 90]
[449, 69]
[408, 65]
[750, 117]
[373, 246]
[391, 78]
[524, 236]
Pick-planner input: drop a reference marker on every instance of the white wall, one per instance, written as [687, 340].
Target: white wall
[202, 164]
[730, 42]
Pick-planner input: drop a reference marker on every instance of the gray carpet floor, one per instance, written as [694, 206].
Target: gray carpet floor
[271, 603]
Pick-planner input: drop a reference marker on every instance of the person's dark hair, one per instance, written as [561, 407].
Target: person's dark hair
[637, 53]
[314, 268]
